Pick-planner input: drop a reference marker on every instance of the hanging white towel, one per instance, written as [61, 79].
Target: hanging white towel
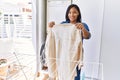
[63, 51]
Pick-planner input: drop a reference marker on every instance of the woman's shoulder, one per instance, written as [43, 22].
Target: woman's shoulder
[85, 25]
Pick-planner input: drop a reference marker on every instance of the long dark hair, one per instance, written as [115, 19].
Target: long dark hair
[68, 9]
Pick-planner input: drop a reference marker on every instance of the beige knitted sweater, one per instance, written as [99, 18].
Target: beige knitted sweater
[63, 51]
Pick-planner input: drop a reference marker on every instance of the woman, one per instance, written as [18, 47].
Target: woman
[73, 16]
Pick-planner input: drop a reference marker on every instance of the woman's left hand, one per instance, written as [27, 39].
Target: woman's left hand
[85, 33]
[79, 26]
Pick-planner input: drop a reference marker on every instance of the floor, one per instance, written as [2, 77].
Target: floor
[20, 67]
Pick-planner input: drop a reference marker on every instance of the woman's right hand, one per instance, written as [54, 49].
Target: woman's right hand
[51, 24]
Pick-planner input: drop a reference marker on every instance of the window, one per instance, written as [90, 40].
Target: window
[16, 40]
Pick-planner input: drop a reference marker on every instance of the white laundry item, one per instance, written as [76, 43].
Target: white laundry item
[63, 51]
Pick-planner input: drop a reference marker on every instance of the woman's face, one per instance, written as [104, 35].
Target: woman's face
[73, 14]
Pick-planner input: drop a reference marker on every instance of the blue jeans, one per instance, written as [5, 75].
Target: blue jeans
[78, 73]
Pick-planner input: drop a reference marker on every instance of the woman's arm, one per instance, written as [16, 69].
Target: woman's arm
[85, 33]
[85, 30]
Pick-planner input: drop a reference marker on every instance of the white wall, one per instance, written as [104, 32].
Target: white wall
[111, 40]
[92, 14]
[56, 10]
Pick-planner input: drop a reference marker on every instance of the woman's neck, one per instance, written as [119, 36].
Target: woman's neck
[73, 22]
